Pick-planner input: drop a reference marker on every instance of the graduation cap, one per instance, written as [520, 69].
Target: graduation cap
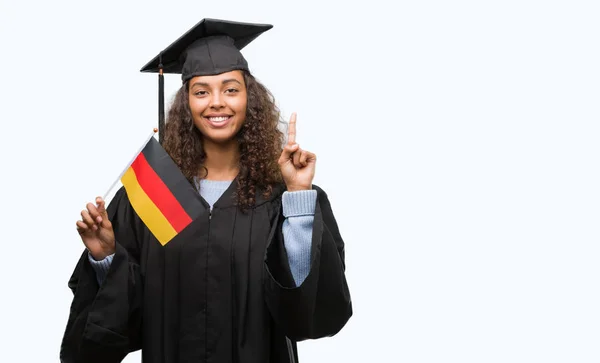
[211, 47]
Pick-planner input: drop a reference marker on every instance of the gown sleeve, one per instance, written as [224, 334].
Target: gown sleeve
[321, 305]
[104, 322]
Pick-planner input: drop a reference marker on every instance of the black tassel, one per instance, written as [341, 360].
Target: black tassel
[161, 100]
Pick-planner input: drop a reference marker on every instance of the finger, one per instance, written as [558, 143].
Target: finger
[296, 158]
[304, 158]
[81, 227]
[94, 213]
[101, 206]
[292, 130]
[87, 219]
[286, 154]
[310, 157]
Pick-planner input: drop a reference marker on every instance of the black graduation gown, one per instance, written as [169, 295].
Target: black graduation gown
[220, 291]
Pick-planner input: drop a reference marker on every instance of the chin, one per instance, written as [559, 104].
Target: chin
[219, 137]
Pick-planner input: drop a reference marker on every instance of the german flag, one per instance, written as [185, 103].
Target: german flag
[159, 193]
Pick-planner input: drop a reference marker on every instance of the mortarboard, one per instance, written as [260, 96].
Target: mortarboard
[211, 47]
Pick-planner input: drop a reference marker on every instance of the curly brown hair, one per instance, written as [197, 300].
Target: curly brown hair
[260, 142]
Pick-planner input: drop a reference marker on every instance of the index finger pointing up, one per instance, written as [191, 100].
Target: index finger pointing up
[292, 130]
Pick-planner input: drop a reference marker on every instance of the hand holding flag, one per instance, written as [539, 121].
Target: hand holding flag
[96, 230]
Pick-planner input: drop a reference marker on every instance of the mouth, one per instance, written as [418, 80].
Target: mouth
[218, 121]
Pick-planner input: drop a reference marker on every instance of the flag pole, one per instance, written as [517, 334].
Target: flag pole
[155, 130]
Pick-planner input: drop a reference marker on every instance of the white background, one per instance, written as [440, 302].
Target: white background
[458, 142]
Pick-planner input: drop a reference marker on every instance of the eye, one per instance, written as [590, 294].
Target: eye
[231, 90]
[200, 93]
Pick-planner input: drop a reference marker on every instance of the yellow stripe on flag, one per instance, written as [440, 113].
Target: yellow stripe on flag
[146, 209]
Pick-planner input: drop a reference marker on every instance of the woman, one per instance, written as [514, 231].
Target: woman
[261, 268]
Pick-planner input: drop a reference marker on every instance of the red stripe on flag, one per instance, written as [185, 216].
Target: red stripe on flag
[160, 194]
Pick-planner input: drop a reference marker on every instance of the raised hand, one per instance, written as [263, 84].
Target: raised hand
[96, 230]
[297, 166]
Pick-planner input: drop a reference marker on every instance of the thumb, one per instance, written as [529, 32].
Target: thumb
[287, 152]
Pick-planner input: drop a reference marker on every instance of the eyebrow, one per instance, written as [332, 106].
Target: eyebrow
[204, 84]
[231, 80]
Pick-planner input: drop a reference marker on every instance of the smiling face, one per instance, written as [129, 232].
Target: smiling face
[218, 105]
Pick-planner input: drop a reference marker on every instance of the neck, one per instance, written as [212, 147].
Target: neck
[222, 160]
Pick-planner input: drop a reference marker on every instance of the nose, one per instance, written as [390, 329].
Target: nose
[216, 101]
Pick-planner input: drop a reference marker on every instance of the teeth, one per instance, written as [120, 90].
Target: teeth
[218, 119]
